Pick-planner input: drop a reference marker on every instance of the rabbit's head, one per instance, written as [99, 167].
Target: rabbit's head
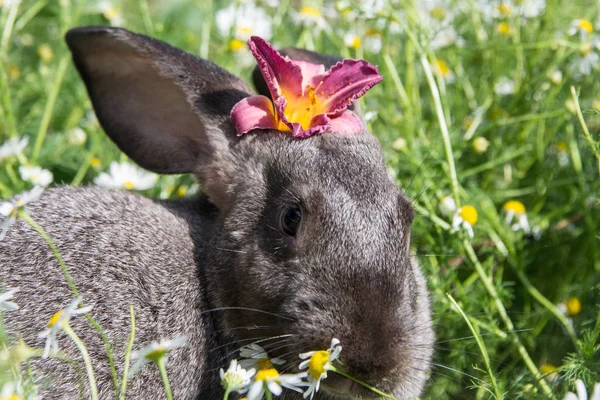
[311, 240]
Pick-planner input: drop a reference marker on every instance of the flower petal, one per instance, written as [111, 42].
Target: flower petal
[309, 70]
[343, 83]
[254, 112]
[346, 123]
[282, 75]
[318, 124]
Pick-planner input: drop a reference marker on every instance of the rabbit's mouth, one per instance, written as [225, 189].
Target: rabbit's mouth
[341, 387]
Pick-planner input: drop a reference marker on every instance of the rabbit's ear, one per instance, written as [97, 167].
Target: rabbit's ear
[300, 55]
[166, 109]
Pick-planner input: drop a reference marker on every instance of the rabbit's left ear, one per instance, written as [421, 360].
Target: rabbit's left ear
[300, 55]
[166, 109]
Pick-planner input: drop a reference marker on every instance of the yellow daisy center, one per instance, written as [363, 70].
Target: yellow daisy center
[266, 374]
[45, 52]
[181, 191]
[356, 42]
[317, 364]
[503, 28]
[110, 13]
[265, 363]
[442, 67]
[95, 163]
[236, 45]
[515, 206]
[128, 185]
[437, 13]
[55, 318]
[12, 396]
[562, 146]
[313, 12]
[469, 214]
[504, 9]
[156, 354]
[596, 105]
[585, 25]
[573, 306]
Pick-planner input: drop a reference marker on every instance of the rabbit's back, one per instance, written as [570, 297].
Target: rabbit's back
[121, 250]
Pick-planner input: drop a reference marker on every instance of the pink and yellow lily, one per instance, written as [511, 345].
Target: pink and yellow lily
[306, 100]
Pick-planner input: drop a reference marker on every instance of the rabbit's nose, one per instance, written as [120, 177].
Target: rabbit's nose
[369, 358]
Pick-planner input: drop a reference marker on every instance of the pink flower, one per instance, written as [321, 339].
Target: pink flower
[306, 100]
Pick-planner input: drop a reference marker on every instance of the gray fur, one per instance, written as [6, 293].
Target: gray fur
[346, 274]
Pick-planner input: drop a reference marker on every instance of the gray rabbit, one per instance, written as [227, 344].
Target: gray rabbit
[292, 242]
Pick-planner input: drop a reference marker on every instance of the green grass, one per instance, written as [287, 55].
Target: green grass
[507, 285]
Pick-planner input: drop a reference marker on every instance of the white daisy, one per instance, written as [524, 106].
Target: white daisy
[125, 176]
[243, 21]
[504, 86]
[582, 392]
[10, 209]
[311, 17]
[111, 13]
[9, 4]
[465, 217]
[58, 322]
[155, 351]
[236, 378]
[13, 147]
[318, 363]
[36, 175]
[5, 304]
[271, 380]
[582, 26]
[447, 206]
[516, 210]
[254, 356]
[584, 65]
[77, 136]
[445, 38]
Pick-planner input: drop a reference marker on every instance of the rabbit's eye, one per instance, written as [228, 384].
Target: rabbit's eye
[290, 220]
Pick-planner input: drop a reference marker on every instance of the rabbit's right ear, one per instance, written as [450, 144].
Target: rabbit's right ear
[166, 109]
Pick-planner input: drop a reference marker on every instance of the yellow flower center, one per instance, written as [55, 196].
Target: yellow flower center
[373, 32]
[236, 45]
[95, 163]
[311, 11]
[181, 191]
[573, 306]
[469, 214]
[13, 72]
[442, 67]
[504, 9]
[562, 146]
[596, 105]
[111, 13]
[265, 363]
[156, 354]
[266, 374]
[12, 396]
[128, 185]
[515, 206]
[355, 42]
[503, 28]
[437, 13]
[301, 111]
[45, 52]
[585, 25]
[55, 318]
[547, 368]
[317, 364]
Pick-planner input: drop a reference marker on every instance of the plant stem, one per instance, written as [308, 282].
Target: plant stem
[586, 132]
[86, 360]
[163, 375]
[227, 391]
[371, 388]
[268, 394]
[481, 344]
[128, 354]
[63, 266]
[487, 282]
[47, 116]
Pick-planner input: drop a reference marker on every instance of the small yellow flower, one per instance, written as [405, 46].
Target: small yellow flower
[438, 13]
[95, 163]
[480, 144]
[549, 371]
[45, 52]
[596, 105]
[353, 41]
[236, 45]
[514, 209]
[13, 72]
[469, 214]
[504, 29]
[440, 67]
[310, 11]
[585, 25]
[515, 206]
[504, 9]
[562, 146]
[573, 306]
[182, 191]
[318, 363]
